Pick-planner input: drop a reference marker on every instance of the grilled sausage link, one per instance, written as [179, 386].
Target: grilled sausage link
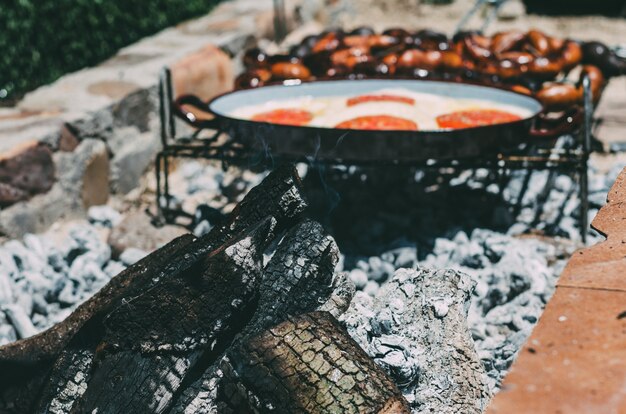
[289, 70]
[559, 96]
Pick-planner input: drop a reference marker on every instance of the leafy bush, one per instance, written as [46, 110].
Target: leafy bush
[41, 40]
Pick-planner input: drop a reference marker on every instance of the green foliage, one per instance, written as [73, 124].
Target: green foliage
[40, 40]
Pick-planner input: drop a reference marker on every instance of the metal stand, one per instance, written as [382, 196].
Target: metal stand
[229, 151]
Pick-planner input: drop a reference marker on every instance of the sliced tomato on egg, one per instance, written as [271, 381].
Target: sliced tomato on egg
[380, 98]
[286, 116]
[378, 122]
[475, 118]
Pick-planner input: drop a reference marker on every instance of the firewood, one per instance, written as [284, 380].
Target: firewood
[297, 279]
[153, 341]
[308, 364]
[30, 361]
[416, 329]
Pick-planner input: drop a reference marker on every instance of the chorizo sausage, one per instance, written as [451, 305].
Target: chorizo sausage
[289, 70]
[539, 42]
[477, 47]
[571, 55]
[559, 96]
[506, 41]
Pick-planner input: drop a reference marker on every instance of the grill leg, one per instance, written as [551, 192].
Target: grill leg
[584, 202]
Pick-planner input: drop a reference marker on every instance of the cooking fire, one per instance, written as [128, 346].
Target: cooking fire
[348, 220]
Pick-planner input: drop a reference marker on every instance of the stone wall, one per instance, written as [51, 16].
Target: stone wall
[94, 132]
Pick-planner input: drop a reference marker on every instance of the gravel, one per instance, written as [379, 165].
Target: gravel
[44, 277]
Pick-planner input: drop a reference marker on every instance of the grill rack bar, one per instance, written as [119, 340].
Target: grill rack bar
[573, 161]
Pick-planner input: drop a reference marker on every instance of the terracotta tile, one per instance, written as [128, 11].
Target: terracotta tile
[600, 267]
[575, 360]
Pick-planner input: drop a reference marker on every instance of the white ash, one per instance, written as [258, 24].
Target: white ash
[415, 328]
[44, 277]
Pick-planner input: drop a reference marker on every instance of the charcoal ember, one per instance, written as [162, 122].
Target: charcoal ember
[416, 329]
[152, 341]
[302, 366]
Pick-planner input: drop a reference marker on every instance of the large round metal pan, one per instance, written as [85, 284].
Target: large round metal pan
[367, 145]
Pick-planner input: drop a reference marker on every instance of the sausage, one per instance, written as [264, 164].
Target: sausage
[289, 70]
[414, 58]
[539, 42]
[400, 34]
[556, 44]
[451, 60]
[521, 58]
[506, 41]
[391, 60]
[600, 55]
[521, 89]
[255, 57]
[559, 96]
[330, 41]
[571, 55]
[431, 40]
[253, 79]
[545, 68]
[356, 41]
[382, 41]
[477, 47]
[509, 68]
[596, 80]
[350, 57]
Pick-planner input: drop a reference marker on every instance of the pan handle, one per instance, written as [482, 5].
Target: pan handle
[545, 127]
[188, 116]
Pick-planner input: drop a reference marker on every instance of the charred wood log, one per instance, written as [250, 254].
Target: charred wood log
[153, 341]
[308, 364]
[297, 279]
[279, 196]
[31, 361]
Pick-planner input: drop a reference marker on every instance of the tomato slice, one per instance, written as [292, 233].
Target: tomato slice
[380, 98]
[475, 118]
[378, 122]
[286, 116]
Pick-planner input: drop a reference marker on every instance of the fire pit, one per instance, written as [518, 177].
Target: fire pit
[441, 260]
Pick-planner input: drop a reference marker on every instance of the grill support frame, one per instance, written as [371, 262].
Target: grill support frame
[573, 161]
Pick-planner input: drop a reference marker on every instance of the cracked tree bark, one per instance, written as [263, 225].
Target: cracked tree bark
[308, 364]
[158, 337]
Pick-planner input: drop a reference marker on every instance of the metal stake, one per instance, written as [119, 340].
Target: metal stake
[584, 160]
[280, 21]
